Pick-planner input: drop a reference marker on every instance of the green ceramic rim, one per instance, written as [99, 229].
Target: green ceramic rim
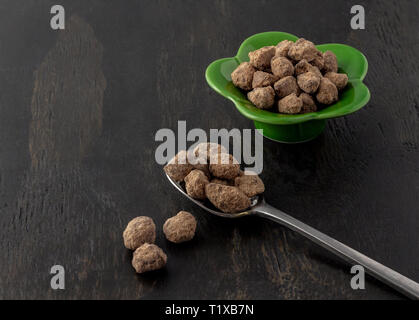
[351, 61]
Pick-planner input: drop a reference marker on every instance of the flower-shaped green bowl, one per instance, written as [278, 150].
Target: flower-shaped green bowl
[300, 127]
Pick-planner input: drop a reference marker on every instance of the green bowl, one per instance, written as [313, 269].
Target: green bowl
[300, 127]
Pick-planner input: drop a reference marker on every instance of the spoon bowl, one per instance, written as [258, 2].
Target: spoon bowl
[255, 201]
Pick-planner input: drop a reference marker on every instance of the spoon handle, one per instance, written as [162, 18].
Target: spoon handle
[397, 281]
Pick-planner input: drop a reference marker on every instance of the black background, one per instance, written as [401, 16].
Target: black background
[78, 112]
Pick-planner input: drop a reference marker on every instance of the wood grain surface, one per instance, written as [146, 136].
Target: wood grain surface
[78, 112]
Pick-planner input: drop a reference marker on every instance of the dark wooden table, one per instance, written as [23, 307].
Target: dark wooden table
[78, 112]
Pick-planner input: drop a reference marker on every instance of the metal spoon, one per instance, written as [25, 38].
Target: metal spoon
[260, 208]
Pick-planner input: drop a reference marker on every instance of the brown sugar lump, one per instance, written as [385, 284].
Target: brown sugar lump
[286, 86]
[180, 228]
[195, 183]
[303, 49]
[250, 184]
[283, 47]
[227, 199]
[208, 149]
[327, 93]
[139, 231]
[199, 162]
[202, 167]
[224, 166]
[318, 61]
[340, 80]
[148, 257]
[330, 62]
[262, 98]
[316, 71]
[282, 67]
[242, 77]
[220, 181]
[179, 167]
[308, 82]
[290, 104]
[263, 79]
[261, 59]
[308, 103]
[303, 66]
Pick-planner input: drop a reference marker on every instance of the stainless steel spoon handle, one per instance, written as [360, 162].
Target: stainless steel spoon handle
[392, 278]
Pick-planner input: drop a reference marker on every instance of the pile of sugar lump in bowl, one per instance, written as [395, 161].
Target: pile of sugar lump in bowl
[295, 77]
